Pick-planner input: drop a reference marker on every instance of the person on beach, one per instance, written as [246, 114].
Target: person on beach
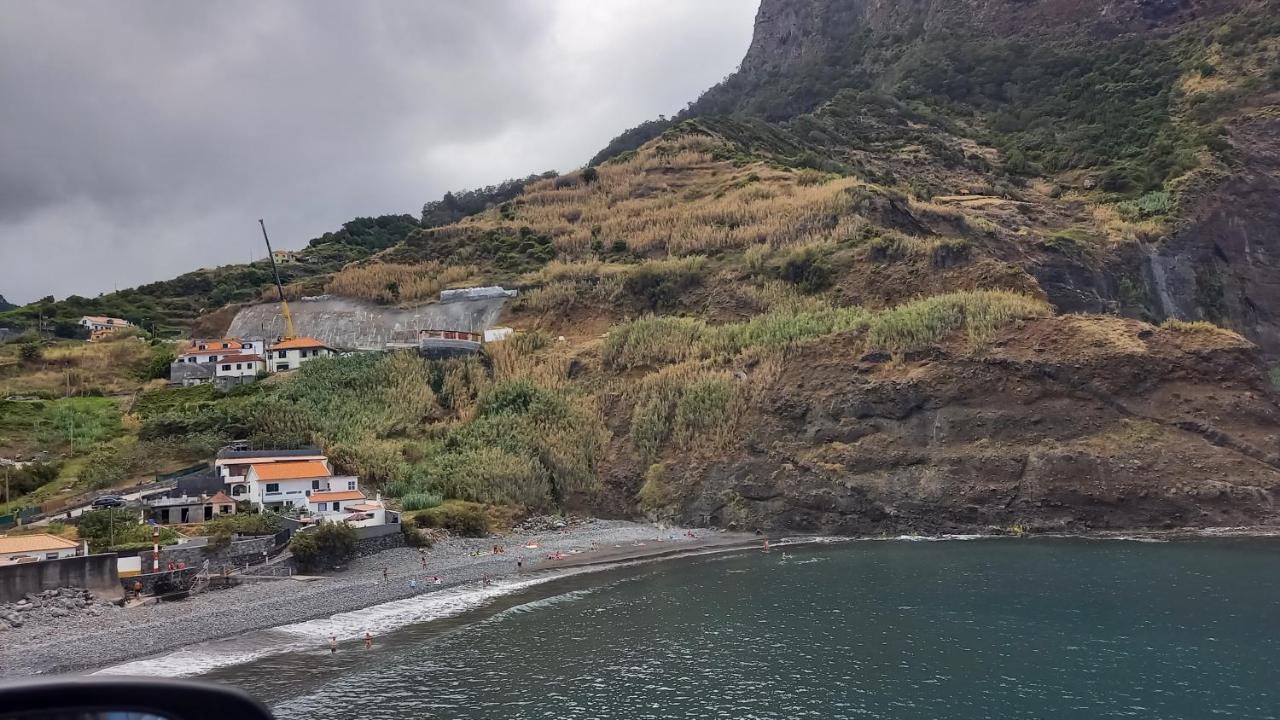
[519, 565]
[765, 547]
[413, 585]
[423, 558]
[384, 574]
[333, 644]
[368, 641]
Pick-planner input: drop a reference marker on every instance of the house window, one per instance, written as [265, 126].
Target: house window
[273, 487]
[315, 484]
[237, 491]
[336, 506]
[226, 367]
[51, 556]
[351, 484]
[225, 345]
[281, 353]
[323, 506]
[224, 509]
[281, 367]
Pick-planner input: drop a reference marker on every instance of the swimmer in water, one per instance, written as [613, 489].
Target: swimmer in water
[333, 644]
[368, 641]
[765, 547]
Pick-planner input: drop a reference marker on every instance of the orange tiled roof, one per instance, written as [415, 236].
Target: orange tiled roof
[299, 343]
[35, 543]
[241, 358]
[336, 495]
[291, 470]
[220, 498]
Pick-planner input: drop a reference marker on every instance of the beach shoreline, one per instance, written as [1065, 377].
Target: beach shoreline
[84, 644]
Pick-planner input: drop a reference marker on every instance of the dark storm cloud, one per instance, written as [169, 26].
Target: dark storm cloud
[142, 139]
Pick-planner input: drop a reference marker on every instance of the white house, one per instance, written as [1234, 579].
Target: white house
[275, 485]
[240, 366]
[35, 548]
[351, 507]
[99, 323]
[233, 465]
[211, 351]
[290, 354]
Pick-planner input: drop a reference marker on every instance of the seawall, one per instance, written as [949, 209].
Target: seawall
[90, 572]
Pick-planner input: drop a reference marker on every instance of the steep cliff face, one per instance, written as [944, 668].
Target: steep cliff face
[1223, 263]
[1068, 425]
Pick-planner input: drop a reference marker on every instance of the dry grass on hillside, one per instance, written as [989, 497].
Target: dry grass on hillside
[675, 197]
[110, 367]
[389, 283]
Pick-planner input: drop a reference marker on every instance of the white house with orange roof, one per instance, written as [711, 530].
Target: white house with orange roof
[210, 351]
[242, 367]
[291, 354]
[35, 548]
[100, 326]
[277, 485]
[351, 507]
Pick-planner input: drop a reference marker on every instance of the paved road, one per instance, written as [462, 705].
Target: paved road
[79, 510]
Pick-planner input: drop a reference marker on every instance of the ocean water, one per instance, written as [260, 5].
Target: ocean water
[905, 630]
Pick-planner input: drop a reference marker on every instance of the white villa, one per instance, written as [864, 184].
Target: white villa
[276, 479]
[240, 366]
[351, 507]
[290, 354]
[99, 323]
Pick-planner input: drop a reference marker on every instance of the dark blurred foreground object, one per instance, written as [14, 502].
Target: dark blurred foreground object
[120, 698]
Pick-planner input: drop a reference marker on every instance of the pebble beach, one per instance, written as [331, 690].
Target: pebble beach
[81, 642]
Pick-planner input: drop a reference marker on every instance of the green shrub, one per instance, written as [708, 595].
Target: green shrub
[30, 353]
[926, 322]
[660, 285]
[683, 404]
[655, 494]
[1152, 204]
[264, 523]
[1275, 376]
[460, 518]
[119, 529]
[808, 268]
[328, 545]
[420, 501]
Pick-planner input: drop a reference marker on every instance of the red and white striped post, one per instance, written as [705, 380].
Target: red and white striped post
[155, 549]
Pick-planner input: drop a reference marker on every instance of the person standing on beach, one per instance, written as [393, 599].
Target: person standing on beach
[384, 574]
[519, 565]
[368, 641]
[333, 644]
[423, 558]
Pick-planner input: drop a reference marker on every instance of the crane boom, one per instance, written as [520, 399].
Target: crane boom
[284, 304]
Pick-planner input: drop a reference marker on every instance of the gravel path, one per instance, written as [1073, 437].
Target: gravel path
[78, 643]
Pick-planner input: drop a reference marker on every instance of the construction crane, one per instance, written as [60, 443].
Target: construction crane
[284, 304]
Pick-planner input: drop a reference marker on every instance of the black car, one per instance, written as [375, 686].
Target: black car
[109, 501]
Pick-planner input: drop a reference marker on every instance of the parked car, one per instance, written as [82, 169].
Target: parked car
[109, 501]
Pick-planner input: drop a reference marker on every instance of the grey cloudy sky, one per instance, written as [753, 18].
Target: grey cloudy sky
[142, 139]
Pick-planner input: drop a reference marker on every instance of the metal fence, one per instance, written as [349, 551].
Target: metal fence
[25, 515]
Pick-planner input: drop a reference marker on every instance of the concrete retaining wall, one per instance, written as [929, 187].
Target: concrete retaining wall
[357, 325]
[376, 544]
[91, 572]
